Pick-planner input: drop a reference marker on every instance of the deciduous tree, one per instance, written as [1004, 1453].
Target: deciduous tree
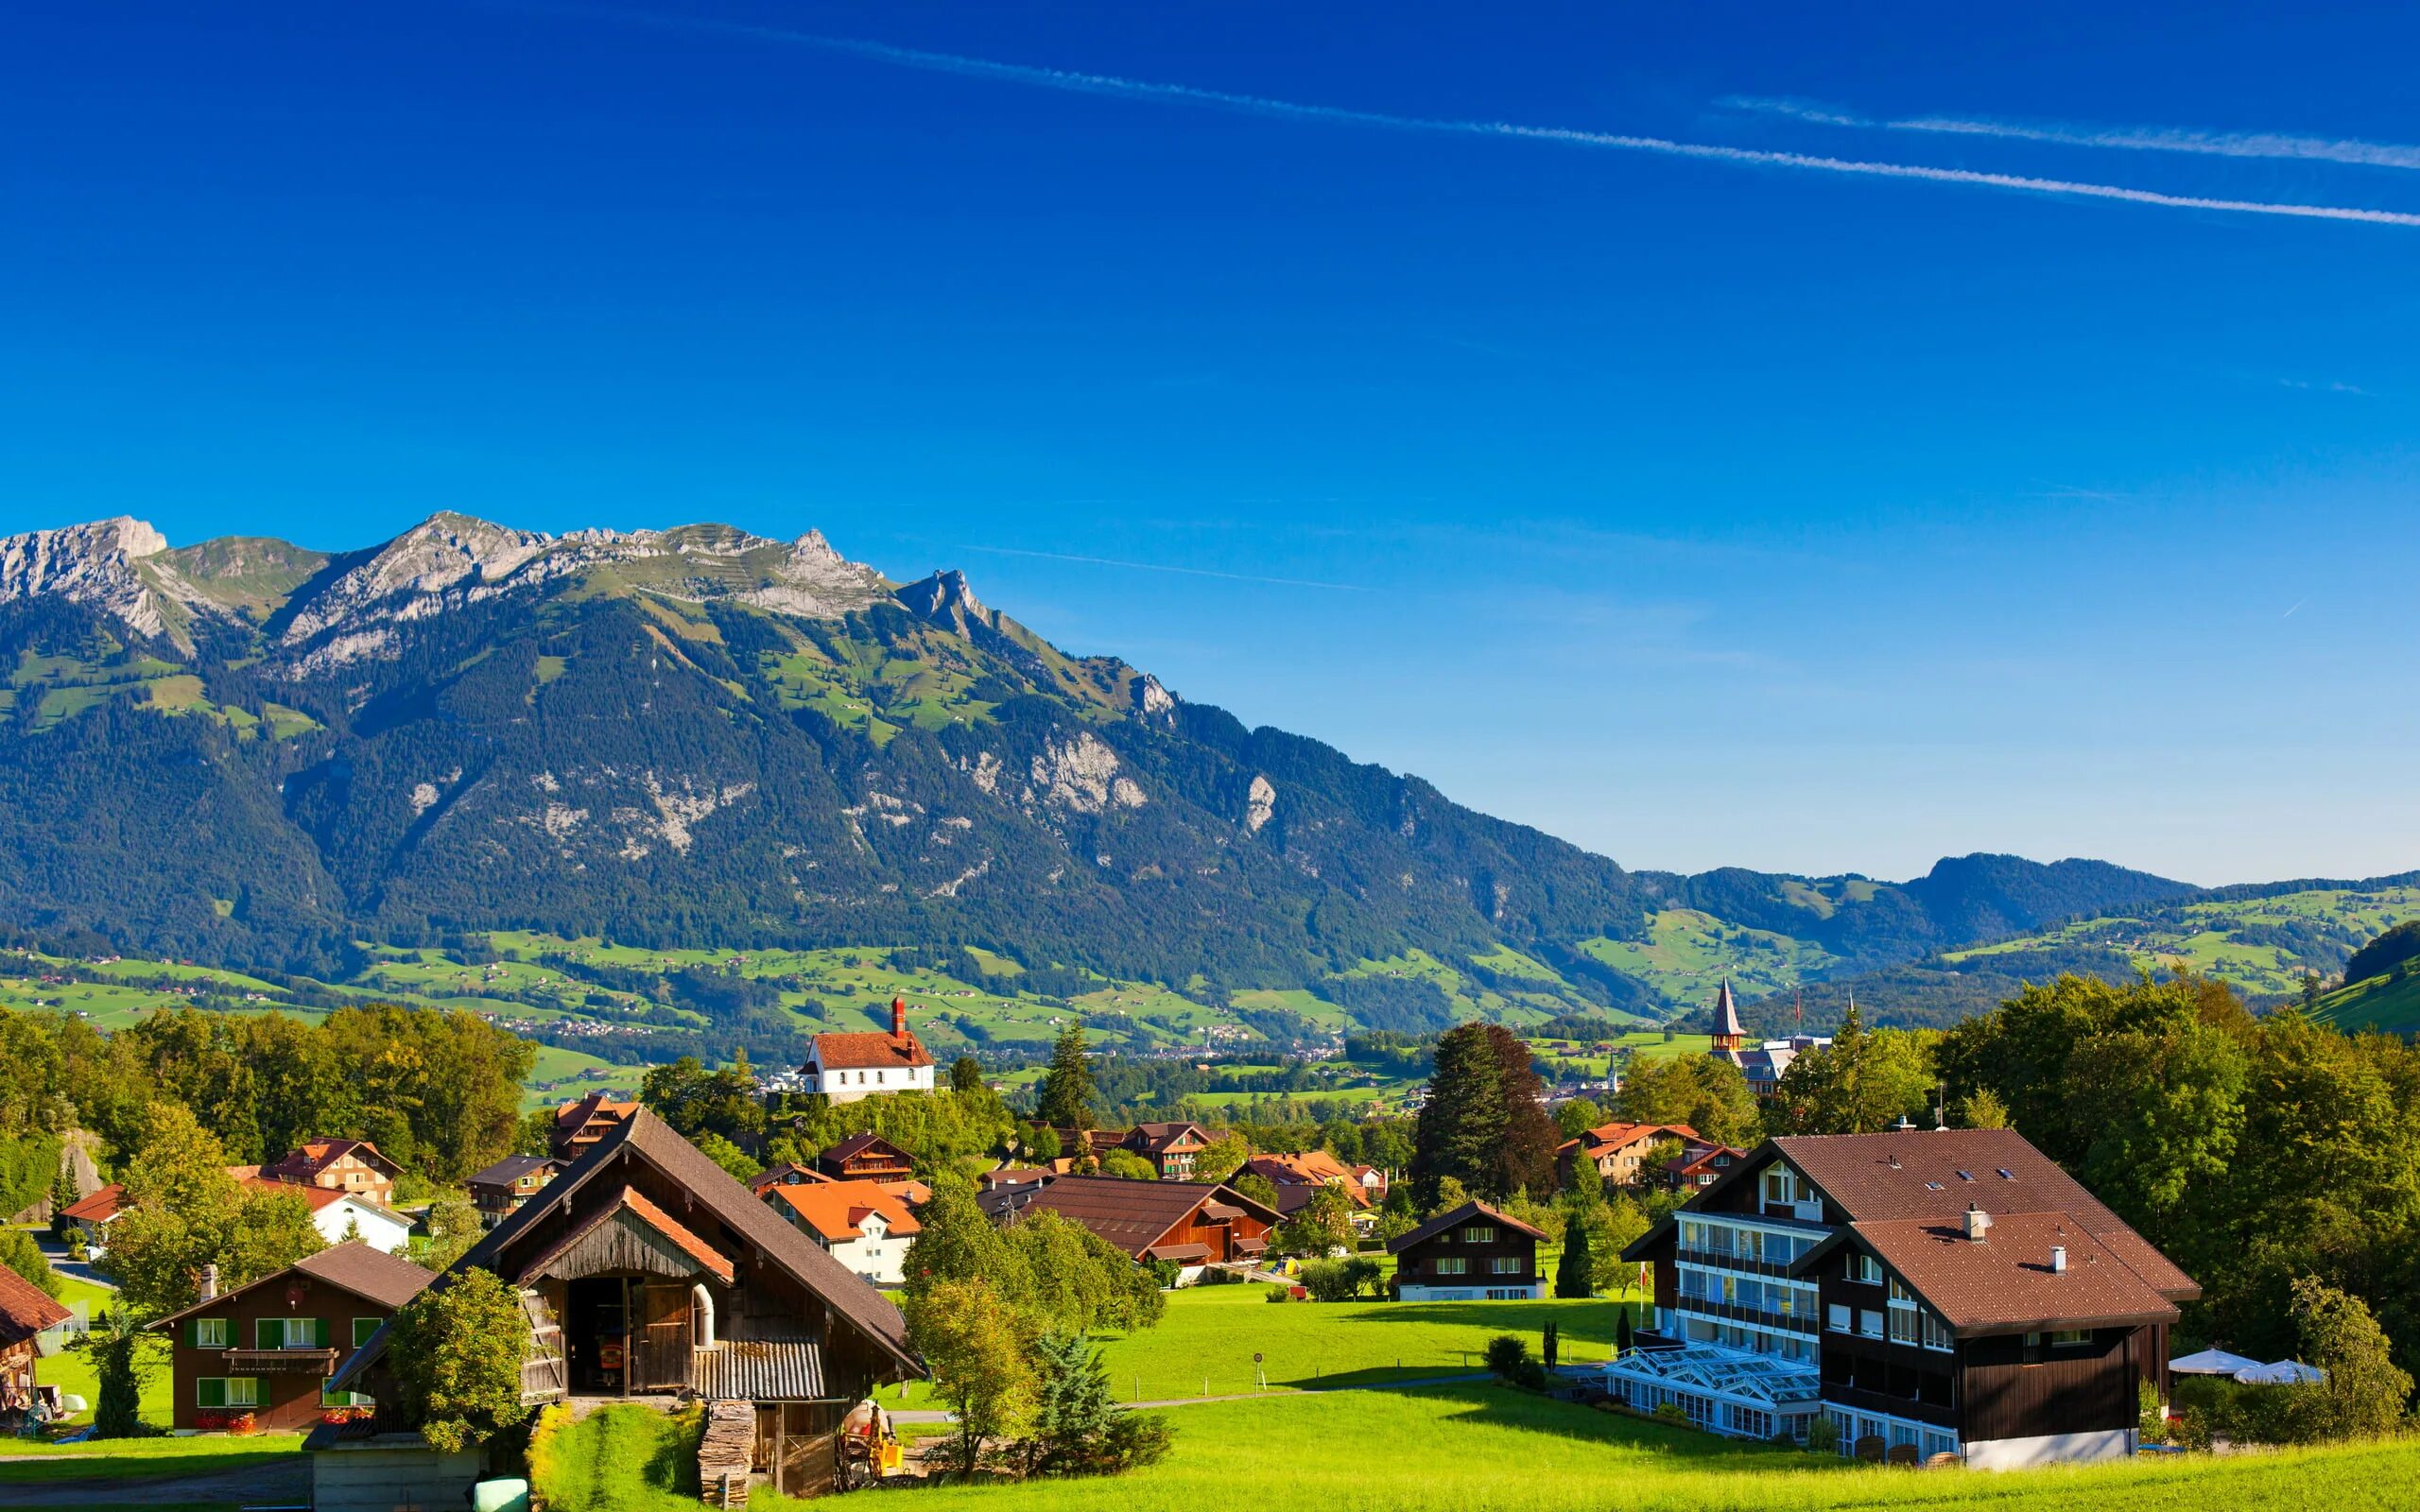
[456, 1352]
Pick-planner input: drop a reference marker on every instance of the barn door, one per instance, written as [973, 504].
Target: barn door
[544, 1376]
[663, 1340]
[810, 1444]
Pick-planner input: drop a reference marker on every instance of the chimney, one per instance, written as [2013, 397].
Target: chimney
[898, 1019]
[209, 1282]
[2058, 1260]
[1977, 1224]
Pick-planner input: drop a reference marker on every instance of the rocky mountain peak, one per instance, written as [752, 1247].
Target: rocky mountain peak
[96, 563]
[944, 599]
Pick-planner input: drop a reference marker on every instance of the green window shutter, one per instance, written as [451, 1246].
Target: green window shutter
[210, 1391]
[193, 1334]
[320, 1333]
[268, 1333]
[362, 1329]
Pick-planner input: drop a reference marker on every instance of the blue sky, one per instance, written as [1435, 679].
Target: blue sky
[1705, 507]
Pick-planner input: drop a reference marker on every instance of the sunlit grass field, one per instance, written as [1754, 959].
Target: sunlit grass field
[1482, 1449]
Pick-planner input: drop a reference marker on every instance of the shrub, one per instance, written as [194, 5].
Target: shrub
[1669, 1412]
[1822, 1434]
[1338, 1280]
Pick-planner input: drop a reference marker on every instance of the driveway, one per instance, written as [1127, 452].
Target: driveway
[56, 1252]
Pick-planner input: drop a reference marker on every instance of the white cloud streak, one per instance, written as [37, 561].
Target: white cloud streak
[2117, 138]
[1112, 86]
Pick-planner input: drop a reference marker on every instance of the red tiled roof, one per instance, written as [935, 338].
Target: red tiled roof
[1313, 1168]
[1620, 1136]
[315, 1156]
[100, 1207]
[835, 1209]
[595, 1105]
[869, 1050]
[26, 1309]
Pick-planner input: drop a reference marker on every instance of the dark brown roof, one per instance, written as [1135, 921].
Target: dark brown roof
[859, 1144]
[26, 1309]
[1455, 1219]
[654, 1141]
[1938, 1173]
[1154, 1138]
[1131, 1214]
[2005, 1284]
[372, 1275]
[510, 1169]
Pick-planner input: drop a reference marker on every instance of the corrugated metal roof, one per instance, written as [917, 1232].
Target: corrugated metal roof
[746, 1371]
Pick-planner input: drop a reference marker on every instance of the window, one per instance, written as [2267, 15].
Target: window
[1452, 1266]
[210, 1333]
[1865, 1269]
[362, 1329]
[290, 1333]
[1904, 1327]
[2071, 1338]
[1869, 1322]
[227, 1391]
[1937, 1335]
[1836, 1317]
[1900, 1294]
[1965, 1175]
[2007, 1175]
[1480, 1233]
[1507, 1265]
[346, 1399]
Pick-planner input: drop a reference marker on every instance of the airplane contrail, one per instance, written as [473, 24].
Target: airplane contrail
[1071, 81]
[2121, 138]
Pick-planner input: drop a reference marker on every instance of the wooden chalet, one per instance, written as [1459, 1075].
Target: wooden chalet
[1472, 1254]
[1934, 1292]
[1189, 1225]
[499, 1190]
[25, 1312]
[580, 1126]
[353, 1167]
[266, 1350]
[648, 1270]
[1617, 1152]
[787, 1173]
[1299, 1178]
[866, 1158]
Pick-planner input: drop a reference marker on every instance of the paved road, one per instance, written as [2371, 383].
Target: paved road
[281, 1480]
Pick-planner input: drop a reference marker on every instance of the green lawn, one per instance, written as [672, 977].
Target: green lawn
[1211, 1333]
[71, 1370]
[138, 1456]
[1481, 1449]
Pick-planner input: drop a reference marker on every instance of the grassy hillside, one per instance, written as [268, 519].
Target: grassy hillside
[2262, 943]
[2391, 1002]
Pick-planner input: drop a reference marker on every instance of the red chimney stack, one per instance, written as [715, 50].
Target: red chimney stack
[898, 1019]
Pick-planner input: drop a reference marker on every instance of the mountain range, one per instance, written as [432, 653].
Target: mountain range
[250, 754]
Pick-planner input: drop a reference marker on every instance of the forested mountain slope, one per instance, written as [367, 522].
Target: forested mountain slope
[250, 754]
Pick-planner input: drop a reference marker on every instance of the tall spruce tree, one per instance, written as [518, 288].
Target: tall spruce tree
[1575, 1275]
[1524, 1158]
[1460, 1129]
[1067, 1088]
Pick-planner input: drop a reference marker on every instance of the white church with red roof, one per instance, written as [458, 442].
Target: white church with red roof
[846, 1067]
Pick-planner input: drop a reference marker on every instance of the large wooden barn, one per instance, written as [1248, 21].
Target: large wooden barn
[646, 1270]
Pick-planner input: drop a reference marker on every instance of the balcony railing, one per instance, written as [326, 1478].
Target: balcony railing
[1795, 1323]
[1741, 1263]
[320, 1361]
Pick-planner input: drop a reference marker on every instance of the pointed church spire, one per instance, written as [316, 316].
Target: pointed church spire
[1728, 1030]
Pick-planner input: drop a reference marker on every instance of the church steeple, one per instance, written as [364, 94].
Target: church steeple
[1729, 1032]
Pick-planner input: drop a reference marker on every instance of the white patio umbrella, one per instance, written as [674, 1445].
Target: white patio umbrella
[2211, 1363]
[2282, 1374]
